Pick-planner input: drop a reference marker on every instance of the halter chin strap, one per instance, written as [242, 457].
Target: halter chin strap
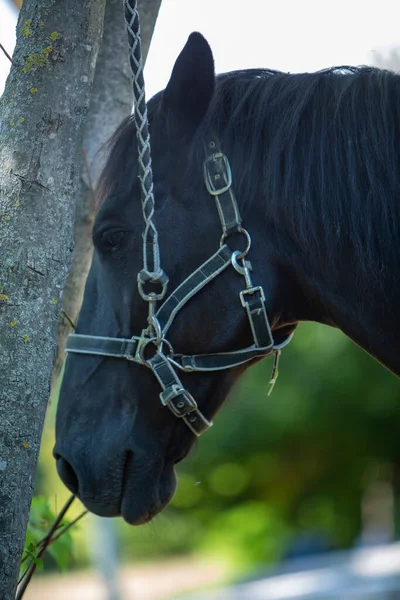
[163, 361]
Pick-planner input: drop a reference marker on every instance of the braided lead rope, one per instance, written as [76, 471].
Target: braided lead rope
[151, 253]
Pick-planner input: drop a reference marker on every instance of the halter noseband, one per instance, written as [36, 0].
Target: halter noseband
[164, 362]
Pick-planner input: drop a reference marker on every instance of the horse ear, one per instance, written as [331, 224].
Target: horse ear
[191, 86]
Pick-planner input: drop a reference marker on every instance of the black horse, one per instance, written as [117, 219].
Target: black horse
[316, 172]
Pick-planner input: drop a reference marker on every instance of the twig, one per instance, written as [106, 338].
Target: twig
[46, 541]
[26, 570]
[65, 316]
[65, 529]
[6, 53]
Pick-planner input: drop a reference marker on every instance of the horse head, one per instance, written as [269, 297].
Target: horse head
[116, 444]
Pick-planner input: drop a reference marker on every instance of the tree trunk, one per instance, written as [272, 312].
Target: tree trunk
[111, 102]
[42, 110]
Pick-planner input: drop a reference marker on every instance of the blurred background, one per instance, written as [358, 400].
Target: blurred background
[295, 495]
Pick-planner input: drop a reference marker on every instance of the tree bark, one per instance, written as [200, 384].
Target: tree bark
[42, 112]
[111, 102]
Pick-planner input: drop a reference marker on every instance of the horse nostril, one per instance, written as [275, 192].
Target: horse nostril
[67, 474]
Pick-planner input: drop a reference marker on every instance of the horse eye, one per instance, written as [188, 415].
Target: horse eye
[112, 239]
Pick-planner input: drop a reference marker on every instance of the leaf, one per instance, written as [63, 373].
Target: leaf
[39, 563]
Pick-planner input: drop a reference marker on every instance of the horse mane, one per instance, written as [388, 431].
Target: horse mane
[322, 151]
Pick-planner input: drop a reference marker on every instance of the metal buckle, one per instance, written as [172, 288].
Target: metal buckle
[174, 391]
[210, 178]
[142, 341]
[251, 291]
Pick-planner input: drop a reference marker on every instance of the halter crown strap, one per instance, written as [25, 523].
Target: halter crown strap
[218, 180]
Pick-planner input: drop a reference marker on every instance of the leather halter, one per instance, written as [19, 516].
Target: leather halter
[164, 362]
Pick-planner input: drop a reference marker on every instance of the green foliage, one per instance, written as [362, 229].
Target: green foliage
[30, 552]
[40, 520]
[306, 454]
[249, 533]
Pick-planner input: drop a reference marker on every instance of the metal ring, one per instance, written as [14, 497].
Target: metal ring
[152, 295]
[248, 240]
[157, 345]
[159, 278]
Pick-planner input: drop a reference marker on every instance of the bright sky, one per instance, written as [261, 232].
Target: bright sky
[8, 21]
[290, 35]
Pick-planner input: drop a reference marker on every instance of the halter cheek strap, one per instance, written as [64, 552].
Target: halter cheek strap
[164, 361]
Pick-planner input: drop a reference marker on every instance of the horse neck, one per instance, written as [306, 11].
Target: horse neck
[361, 304]
[350, 281]
[329, 207]
[335, 287]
